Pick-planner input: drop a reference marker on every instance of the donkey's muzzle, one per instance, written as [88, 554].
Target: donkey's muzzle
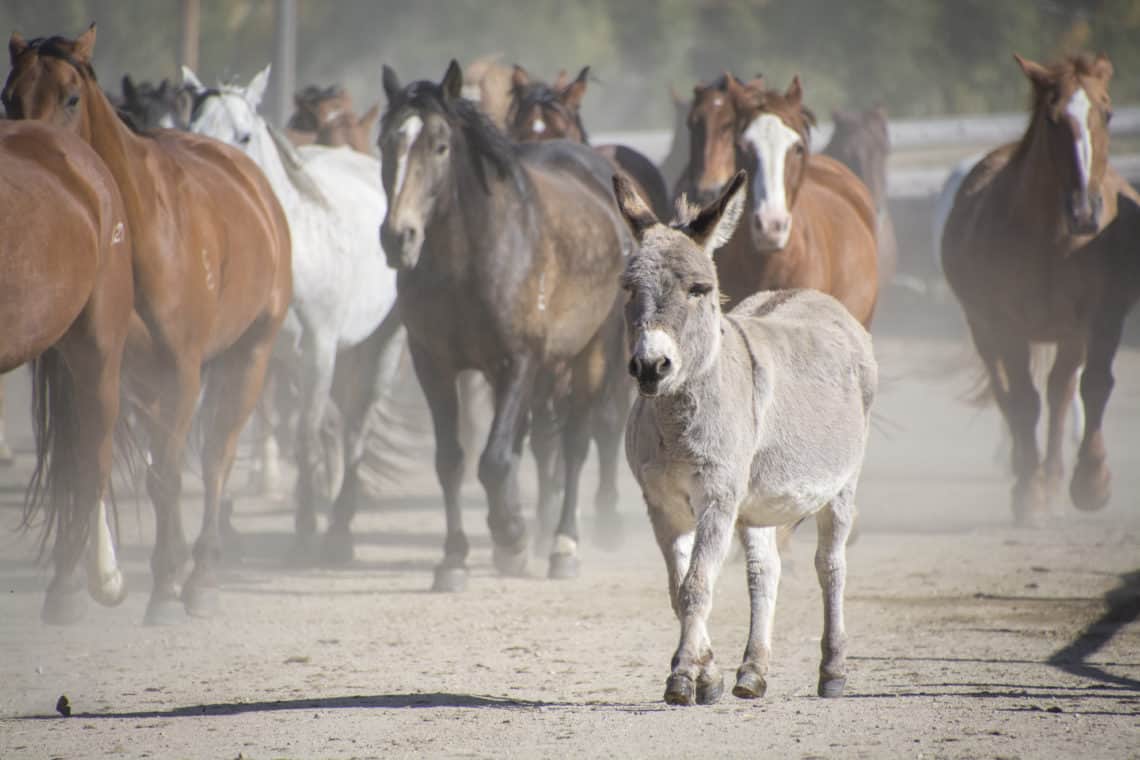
[650, 372]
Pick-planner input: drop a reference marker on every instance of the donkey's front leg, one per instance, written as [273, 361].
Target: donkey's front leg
[695, 676]
[761, 548]
[833, 526]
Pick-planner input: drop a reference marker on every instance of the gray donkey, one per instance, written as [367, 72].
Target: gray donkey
[754, 419]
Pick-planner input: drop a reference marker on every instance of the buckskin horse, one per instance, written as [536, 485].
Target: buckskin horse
[65, 305]
[507, 259]
[210, 252]
[325, 116]
[1035, 253]
[811, 222]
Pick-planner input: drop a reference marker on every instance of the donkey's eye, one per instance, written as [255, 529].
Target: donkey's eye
[698, 289]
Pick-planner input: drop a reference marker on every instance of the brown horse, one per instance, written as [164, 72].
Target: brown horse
[65, 305]
[325, 116]
[539, 111]
[811, 222]
[1032, 252]
[487, 82]
[211, 256]
[861, 141]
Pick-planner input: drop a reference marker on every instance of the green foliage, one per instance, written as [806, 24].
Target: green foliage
[918, 57]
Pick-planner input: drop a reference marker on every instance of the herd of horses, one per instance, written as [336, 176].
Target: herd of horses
[170, 255]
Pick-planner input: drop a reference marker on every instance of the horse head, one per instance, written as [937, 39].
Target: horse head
[540, 111]
[52, 80]
[672, 312]
[773, 131]
[166, 106]
[229, 113]
[861, 141]
[1072, 106]
[712, 120]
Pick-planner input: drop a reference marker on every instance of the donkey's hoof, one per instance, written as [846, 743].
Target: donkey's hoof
[509, 561]
[749, 685]
[450, 579]
[66, 606]
[609, 531]
[710, 688]
[830, 688]
[680, 690]
[564, 567]
[339, 549]
[1091, 486]
[200, 600]
[164, 610]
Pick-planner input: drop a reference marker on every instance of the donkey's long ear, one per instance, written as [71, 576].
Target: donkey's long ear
[634, 209]
[572, 95]
[452, 84]
[1039, 75]
[257, 86]
[392, 86]
[716, 222]
[16, 45]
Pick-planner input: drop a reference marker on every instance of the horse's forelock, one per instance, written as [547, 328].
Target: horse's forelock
[62, 49]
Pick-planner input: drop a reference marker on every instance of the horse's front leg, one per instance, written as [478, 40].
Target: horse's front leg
[1090, 488]
[498, 465]
[833, 526]
[695, 676]
[318, 359]
[761, 547]
[1062, 385]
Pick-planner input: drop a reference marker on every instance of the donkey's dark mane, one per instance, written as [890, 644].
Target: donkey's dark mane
[542, 94]
[484, 139]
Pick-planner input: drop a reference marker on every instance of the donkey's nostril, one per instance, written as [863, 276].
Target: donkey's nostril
[664, 363]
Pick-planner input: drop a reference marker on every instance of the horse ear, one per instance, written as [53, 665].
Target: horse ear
[519, 77]
[16, 45]
[1102, 67]
[795, 91]
[452, 83]
[190, 80]
[676, 98]
[85, 45]
[369, 116]
[737, 92]
[257, 86]
[572, 95]
[756, 82]
[129, 92]
[633, 207]
[1039, 75]
[714, 225]
[561, 81]
[392, 86]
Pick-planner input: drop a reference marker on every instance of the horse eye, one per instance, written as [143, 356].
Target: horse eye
[1108, 117]
[244, 139]
[441, 149]
[696, 290]
[799, 149]
[72, 101]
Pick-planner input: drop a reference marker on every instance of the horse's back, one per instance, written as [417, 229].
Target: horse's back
[650, 180]
[825, 171]
[62, 221]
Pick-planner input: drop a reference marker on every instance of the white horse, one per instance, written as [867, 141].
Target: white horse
[344, 293]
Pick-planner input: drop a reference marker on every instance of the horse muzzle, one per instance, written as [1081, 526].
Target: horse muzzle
[401, 245]
[1083, 210]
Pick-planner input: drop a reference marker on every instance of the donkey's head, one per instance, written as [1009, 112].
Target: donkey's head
[52, 80]
[673, 313]
[774, 130]
[1071, 101]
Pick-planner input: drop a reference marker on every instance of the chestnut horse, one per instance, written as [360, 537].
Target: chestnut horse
[811, 222]
[1033, 254]
[210, 251]
[539, 111]
[862, 142]
[65, 305]
[325, 116]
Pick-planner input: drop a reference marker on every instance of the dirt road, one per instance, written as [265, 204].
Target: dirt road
[968, 638]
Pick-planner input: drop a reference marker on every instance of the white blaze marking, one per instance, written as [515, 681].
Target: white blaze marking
[472, 92]
[770, 138]
[538, 127]
[104, 579]
[1078, 108]
[333, 115]
[166, 121]
[410, 130]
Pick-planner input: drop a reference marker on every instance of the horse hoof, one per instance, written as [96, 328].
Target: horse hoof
[749, 685]
[1090, 488]
[509, 561]
[563, 567]
[450, 580]
[164, 610]
[609, 531]
[1029, 501]
[110, 591]
[680, 690]
[710, 689]
[830, 688]
[339, 549]
[201, 601]
[64, 606]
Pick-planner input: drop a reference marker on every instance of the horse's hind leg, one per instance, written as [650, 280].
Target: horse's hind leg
[1062, 385]
[233, 384]
[544, 445]
[5, 450]
[833, 526]
[763, 556]
[318, 354]
[1090, 487]
[609, 434]
[564, 561]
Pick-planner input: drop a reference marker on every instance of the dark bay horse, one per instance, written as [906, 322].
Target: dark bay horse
[811, 222]
[210, 251]
[65, 305]
[1034, 252]
[325, 116]
[540, 111]
[862, 142]
[508, 258]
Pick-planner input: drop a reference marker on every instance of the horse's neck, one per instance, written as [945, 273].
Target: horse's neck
[472, 219]
[1030, 185]
[272, 164]
[123, 151]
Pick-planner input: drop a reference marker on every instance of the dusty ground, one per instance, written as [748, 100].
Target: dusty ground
[968, 638]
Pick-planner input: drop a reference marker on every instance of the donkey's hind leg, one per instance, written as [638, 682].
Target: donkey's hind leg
[833, 526]
[763, 556]
[233, 384]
